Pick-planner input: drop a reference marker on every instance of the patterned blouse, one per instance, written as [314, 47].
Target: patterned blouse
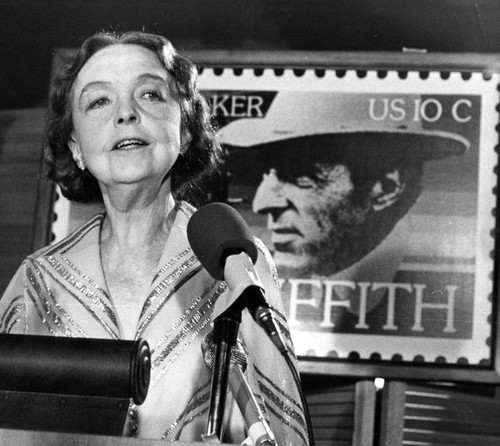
[60, 290]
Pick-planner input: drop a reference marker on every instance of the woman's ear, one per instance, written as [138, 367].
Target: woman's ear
[388, 189]
[77, 153]
[74, 147]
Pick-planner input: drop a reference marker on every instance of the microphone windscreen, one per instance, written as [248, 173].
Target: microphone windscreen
[215, 231]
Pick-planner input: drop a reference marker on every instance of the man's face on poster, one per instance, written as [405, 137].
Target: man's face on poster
[314, 220]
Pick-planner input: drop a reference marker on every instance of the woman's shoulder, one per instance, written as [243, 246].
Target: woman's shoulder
[75, 239]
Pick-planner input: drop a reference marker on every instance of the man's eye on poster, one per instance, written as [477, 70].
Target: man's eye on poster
[375, 198]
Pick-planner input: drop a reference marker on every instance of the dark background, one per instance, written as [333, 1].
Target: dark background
[31, 29]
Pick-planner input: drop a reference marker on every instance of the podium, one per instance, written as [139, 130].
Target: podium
[71, 391]
[37, 438]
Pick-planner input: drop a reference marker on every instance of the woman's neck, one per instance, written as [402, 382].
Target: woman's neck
[133, 238]
[137, 219]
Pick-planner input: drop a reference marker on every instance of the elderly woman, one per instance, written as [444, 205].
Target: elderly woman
[127, 127]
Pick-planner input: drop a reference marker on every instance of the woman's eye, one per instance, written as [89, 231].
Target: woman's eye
[153, 95]
[97, 103]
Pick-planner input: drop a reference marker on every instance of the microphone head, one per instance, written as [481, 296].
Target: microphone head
[216, 231]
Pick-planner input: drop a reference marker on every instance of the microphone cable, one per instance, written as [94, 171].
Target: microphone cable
[303, 400]
[282, 348]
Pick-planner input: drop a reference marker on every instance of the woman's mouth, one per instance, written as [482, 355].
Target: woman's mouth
[131, 143]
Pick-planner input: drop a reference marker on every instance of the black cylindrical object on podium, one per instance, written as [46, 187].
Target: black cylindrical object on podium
[75, 366]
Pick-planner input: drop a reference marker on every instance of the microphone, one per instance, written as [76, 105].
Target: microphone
[215, 231]
[224, 245]
[259, 430]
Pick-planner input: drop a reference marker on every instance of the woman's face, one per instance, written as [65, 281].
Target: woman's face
[126, 117]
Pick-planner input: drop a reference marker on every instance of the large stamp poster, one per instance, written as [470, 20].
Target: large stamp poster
[376, 197]
[376, 194]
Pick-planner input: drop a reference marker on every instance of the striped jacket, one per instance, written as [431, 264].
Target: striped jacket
[60, 290]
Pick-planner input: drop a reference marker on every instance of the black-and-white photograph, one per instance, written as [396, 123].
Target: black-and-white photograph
[250, 223]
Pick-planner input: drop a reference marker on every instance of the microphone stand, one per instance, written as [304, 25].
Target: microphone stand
[225, 333]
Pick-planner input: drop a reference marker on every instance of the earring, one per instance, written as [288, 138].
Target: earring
[186, 139]
[80, 162]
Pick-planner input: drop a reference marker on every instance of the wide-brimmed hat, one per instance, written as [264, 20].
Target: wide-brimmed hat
[345, 120]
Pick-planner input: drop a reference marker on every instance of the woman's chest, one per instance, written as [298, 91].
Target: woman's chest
[128, 290]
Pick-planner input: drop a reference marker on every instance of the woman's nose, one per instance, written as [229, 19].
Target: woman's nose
[270, 197]
[126, 112]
